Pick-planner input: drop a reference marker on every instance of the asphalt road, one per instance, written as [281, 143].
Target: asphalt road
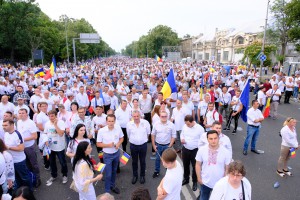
[261, 169]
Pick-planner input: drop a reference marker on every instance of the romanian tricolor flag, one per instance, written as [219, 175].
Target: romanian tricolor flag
[100, 168]
[40, 72]
[169, 85]
[100, 155]
[124, 158]
[267, 108]
[158, 59]
[293, 152]
[51, 70]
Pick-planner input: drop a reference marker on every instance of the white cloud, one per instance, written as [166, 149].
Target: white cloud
[119, 22]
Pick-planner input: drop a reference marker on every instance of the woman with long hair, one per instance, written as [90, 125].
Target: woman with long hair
[155, 114]
[289, 144]
[80, 135]
[74, 111]
[83, 172]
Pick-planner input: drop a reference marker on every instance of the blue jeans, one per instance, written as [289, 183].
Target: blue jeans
[111, 161]
[252, 133]
[160, 150]
[62, 160]
[205, 192]
[296, 92]
[22, 175]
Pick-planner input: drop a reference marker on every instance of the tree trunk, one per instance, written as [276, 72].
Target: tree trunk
[12, 56]
[283, 49]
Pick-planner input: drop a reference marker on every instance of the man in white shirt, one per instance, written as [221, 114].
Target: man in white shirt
[190, 136]
[188, 105]
[123, 116]
[46, 98]
[177, 118]
[296, 87]
[289, 87]
[274, 94]
[5, 105]
[82, 119]
[82, 98]
[99, 121]
[237, 107]
[210, 116]
[20, 105]
[212, 161]
[163, 136]
[35, 99]
[110, 139]
[138, 132]
[15, 146]
[225, 100]
[146, 105]
[261, 98]
[55, 130]
[170, 186]
[28, 130]
[202, 109]
[254, 119]
[96, 101]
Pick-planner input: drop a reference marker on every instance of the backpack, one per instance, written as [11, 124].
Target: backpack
[220, 116]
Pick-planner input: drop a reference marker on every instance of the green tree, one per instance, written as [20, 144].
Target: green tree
[277, 33]
[292, 11]
[151, 44]
[252, 52]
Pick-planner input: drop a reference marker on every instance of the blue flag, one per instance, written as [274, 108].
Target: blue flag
[210, 80]
[101, 96]
[202, 81]
[245, 100]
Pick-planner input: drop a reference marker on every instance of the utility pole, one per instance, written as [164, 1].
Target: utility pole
[263, 42]
[67, 46]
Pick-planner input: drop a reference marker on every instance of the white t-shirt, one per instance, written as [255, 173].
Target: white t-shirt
[13, 140]
[7, 107]
[189, 107]
[224, 191]
[213, 164]
[42, 118]
[202, 106]
[2, 169]
[261, 95]
[35, 100]
[107, 136]
[17, 108]
[49, 101]
[26, 128]
[237, 106]
[57, 142]
[173, 182]
[178, 116]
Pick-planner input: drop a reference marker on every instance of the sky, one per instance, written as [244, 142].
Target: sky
[119, 22]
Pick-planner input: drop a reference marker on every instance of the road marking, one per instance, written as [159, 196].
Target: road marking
[185, 190]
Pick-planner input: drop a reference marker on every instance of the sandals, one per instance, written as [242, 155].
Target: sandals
[280, 173]
[287, 172]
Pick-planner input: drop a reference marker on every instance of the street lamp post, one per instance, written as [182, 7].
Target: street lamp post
[264, 40]
[67, 46]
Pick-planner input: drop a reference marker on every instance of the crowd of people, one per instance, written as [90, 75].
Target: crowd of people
[116, 105]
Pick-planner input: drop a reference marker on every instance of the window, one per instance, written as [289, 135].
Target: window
[206, 56]
[200, 57]
[240, 40]
[225, 55]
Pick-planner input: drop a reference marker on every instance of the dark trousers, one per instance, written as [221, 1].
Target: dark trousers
[281, 96]
[205, 192]
[124, 143]
[235, 118]
[62, 160]
[188, 157]
[138, 152]
[147, 116]
[31, 160]
[106, 108]
[22, 175]
[288, 94]
[217, 105]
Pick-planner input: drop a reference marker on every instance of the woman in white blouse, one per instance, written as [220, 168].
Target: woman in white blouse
[155, 114]
[83, 172]
[289, 141]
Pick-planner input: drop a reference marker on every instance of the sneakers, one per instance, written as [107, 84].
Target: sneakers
[155, 174]
[287, 172]
[233, 132]
[50, 181]
[281, 174]
[65, 180]
[47, 168]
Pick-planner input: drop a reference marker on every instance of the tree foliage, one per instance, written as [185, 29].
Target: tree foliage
[292, 10]
[151, 44]
[277, 34]
[252, 52]
[25, 28]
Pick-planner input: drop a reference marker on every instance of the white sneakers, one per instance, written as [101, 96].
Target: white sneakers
[51, 180]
